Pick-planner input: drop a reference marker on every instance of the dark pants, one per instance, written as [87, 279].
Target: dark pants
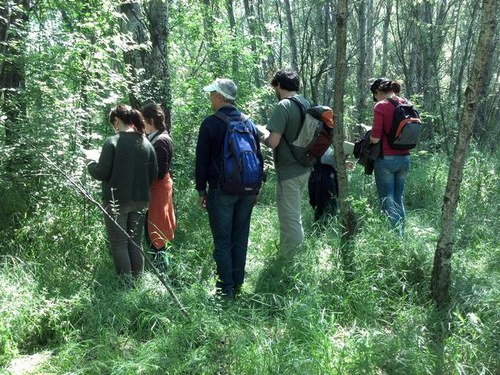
[129, 216]
[229, 217]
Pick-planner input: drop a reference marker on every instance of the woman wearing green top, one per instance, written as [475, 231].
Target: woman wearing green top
[127, 167]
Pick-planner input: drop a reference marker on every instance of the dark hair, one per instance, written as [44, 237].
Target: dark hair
[288, 79]
[129, 116]
[154, 112]
[385, 85]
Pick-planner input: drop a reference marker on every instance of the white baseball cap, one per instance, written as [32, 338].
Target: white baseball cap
[223, 86]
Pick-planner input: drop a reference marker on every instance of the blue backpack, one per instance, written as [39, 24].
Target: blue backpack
[241, 170]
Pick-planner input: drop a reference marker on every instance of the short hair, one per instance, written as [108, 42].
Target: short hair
[287, 79]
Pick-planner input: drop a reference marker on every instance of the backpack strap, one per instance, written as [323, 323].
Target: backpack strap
[301, 108]
[226, 119]
[395, 104]
[302, 116]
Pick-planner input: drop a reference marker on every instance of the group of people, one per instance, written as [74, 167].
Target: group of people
[134, 167]
[134, 173]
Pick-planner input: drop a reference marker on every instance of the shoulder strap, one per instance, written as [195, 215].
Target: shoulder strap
[393, 102]
[222, 116]
[226, 119]
[301, 108]
[302, 117]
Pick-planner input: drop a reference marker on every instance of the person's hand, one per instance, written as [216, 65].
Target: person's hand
[264, 133]
[349, 165]
[91, 155]
[202, 202]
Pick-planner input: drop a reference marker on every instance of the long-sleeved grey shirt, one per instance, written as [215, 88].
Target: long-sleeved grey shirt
[127, 167]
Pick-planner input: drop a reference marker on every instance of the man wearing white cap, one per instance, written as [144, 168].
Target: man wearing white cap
[229, 214]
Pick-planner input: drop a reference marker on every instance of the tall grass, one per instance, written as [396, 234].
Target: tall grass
[58, 292]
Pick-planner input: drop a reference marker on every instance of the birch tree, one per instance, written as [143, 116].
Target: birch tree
[348, 219]
[441, 273]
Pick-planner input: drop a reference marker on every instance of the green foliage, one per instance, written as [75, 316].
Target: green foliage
[59, 292]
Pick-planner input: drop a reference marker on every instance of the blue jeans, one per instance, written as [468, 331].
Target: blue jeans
[229, 217]
[390, 176]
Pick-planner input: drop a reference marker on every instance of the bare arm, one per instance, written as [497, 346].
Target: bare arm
[272, 140]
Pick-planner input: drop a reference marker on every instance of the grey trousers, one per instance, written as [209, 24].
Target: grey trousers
[127, 256]
[289, 195]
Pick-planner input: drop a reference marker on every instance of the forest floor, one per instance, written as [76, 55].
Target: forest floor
[361, 308]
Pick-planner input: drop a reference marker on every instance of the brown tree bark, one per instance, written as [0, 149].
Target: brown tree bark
[441, 273]
[13, 21]
[232, 26]
[252, 26]
[348, 218]
[362, 60]
[291, 35]
[385, 34]
[135, 55]
[157, 66]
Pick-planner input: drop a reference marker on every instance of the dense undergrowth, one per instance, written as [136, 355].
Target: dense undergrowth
[58, 292]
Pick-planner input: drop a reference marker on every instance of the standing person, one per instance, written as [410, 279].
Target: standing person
[127, 168]
[284, 126]
[229, 214]
[160, 218]
[391, 169]
[323, 186]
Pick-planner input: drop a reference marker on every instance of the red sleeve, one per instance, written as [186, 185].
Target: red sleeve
[378, 120]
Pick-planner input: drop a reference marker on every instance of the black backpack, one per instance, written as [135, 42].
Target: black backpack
[406, 126]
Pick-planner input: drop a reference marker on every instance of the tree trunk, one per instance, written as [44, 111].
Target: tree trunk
[135, 55]
[157, 66]
[291, 35]
[252, 26]
[361, 71]
[232, 26]
[268, 65]
[13, 20]
[385, 34]
[348, 219]
[369, 44]
[441, 273]
[466, 50]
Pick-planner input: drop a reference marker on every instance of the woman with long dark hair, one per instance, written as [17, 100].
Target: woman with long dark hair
[127, 168]
[161, 223]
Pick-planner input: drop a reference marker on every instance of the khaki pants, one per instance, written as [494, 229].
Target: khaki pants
[289, 195]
